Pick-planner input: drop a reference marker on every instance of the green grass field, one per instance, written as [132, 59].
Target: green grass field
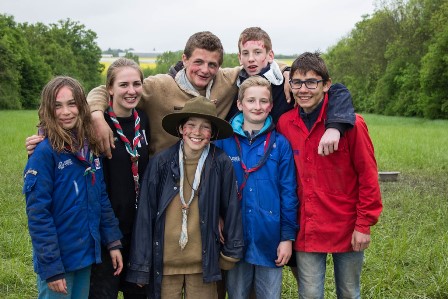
[408, 254]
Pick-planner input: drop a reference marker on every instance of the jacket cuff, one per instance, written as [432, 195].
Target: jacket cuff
[55, 277]
[227, 262]
[114, 245]
[341, 127]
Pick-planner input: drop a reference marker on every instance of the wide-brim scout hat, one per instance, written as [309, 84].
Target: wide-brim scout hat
[198, 107]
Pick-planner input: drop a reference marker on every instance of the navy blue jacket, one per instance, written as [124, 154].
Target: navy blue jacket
[217, 198]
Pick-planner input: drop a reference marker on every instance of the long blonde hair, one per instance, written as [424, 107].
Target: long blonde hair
[58, 136]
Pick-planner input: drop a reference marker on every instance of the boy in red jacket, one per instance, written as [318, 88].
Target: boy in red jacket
[339, 194]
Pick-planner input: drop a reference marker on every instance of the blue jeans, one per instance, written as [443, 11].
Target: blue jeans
[78, 284]
[347, 272]
[267, 282]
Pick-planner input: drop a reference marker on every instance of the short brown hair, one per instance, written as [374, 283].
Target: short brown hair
[254, 81]
[204, 40]
[255, 34]
[310, 62]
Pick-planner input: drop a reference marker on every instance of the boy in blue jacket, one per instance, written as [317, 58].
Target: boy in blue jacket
[264, 167]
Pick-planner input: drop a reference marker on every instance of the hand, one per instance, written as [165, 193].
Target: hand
[117, 261]
[329, 142]
[284, 252]
[31, 143]
[360, 241]
[287, 87]
[58, 286]
[220, 228]
[104, 134]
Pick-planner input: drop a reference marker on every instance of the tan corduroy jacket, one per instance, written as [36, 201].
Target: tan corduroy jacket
[163, 95]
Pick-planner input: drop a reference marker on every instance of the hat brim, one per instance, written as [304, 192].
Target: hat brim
[170, 124]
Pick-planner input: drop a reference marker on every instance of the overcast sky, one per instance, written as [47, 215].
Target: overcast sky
[294, 26]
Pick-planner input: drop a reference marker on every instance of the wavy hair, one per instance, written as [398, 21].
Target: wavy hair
[57, 135]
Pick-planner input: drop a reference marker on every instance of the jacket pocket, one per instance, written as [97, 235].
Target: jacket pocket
[30, 179]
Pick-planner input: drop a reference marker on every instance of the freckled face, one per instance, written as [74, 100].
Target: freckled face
[196, 133]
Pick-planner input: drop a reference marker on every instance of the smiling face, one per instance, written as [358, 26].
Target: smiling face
[126, 90]
[254, 56]
[196, 134]
[201, 67]
[307, 98]
[256, 106]
[65, 110]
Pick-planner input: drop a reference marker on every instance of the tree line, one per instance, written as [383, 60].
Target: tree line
[31, 54]
[395, 62]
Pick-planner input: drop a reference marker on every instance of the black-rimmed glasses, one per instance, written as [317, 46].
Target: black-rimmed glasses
[310, 84]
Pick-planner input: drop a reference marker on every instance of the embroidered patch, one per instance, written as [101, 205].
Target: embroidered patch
[62, 165]
[235, 159]
[97, 163]
[30, 171]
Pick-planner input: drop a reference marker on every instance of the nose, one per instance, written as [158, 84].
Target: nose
[65, 109]
[303, 88]
[131, 89]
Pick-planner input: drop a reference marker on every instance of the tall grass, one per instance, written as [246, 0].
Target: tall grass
[408, 254]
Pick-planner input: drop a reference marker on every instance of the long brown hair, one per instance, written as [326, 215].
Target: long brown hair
[58, 136]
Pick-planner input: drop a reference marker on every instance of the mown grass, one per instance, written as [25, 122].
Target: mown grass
[408, 254]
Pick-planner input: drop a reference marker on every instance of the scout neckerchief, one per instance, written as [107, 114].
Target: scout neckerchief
[130, 148]
[81, 156]
[267, 150]
[197, 179]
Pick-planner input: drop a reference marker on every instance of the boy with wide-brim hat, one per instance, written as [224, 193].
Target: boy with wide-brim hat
[186, 189]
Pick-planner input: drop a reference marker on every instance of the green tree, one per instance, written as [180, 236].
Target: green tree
[10, 40]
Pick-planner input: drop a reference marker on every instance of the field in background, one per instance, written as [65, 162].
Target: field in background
[144, 63]
[408, 254]
[151, 63]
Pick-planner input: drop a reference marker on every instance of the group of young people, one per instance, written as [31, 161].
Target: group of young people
[187, 200]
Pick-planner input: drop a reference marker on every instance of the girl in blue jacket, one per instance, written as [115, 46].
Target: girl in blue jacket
[69, 213]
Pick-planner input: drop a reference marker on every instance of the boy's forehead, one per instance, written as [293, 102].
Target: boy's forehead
[253, 44]
[301, 74]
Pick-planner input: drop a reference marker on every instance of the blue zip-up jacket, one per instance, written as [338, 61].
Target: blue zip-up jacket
[269, 198]
[69, 213]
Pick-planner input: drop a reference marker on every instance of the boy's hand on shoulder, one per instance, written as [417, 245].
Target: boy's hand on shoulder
[104, 134]
[31, 142]
[284, 252]
[286, 87]
[329, 142]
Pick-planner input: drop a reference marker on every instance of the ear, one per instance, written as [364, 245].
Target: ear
[184, 60]
[239, 104]
[111, 93]
[180, 130]
[271, 56]
[239, 58]
[327, 85]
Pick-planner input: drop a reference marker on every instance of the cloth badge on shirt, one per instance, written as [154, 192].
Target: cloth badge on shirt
[97, 163]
